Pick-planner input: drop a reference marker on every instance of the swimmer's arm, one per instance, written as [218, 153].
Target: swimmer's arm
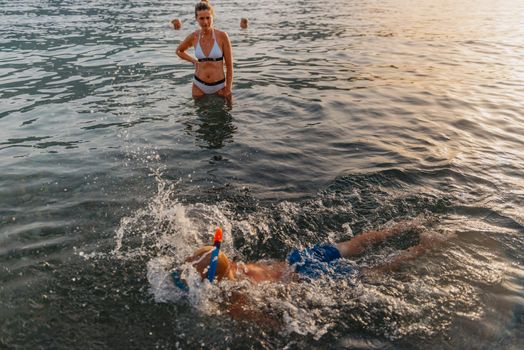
[241, 308]
[184, 45]
[228, 59]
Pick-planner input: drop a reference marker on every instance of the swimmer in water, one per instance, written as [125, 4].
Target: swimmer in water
[301, 265]
[213, 54]
[243, 23]
[312, 262]
[176, 23]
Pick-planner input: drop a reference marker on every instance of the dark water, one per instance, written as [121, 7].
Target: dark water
[347, 116]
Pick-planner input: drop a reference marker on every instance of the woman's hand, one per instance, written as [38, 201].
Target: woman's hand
[225, 92]
[184, 45]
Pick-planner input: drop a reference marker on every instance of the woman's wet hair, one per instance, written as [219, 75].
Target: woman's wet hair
[204, 5]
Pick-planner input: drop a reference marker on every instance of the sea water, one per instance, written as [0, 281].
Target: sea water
[347, 116]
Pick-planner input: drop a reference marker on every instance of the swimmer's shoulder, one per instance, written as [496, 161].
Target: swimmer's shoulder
[265, 271]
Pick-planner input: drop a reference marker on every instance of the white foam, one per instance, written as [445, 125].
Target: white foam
[423, 302]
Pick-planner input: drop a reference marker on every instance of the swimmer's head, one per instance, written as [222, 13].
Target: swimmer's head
[177, 24]
[201, 258]
[204, 5]
[243, 23]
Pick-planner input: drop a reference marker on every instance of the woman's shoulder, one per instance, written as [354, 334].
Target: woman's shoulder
[193, 35]
[222, 37]
[220, 33]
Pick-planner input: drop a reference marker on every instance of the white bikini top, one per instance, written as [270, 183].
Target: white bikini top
[215, 54]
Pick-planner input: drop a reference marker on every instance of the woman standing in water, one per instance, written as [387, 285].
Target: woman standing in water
[212, 53]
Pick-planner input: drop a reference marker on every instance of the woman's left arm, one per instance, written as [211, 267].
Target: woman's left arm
[228, 58]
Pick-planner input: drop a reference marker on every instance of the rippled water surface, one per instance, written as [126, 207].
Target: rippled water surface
[347, 116]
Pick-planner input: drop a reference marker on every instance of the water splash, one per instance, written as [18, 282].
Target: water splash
[423, 299]
[167, 227]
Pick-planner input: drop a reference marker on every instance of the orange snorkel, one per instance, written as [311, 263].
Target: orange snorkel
[214, 255]
[213, 263]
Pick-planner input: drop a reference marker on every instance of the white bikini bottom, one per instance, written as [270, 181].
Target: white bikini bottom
[209, 88]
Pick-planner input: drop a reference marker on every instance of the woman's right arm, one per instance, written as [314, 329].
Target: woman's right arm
[184, 45]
